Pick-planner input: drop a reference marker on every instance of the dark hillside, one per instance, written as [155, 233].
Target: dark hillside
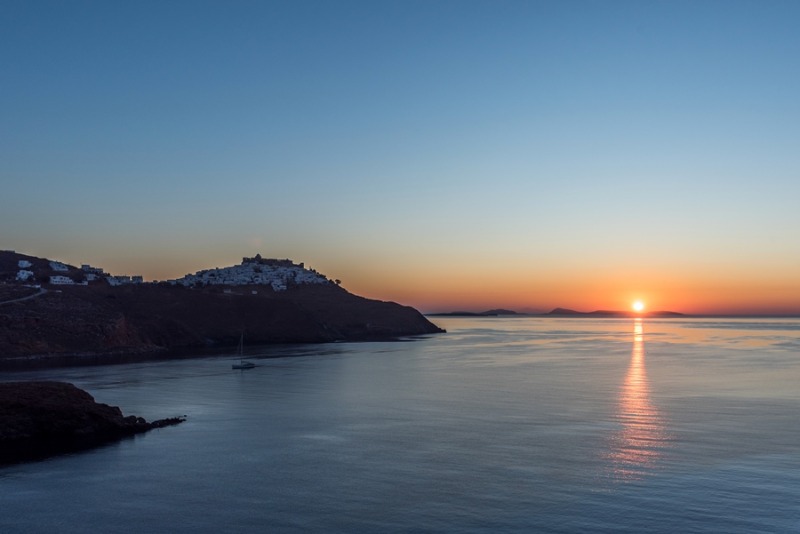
[98, 319]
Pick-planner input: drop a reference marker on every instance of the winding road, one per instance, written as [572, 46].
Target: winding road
[41, 292]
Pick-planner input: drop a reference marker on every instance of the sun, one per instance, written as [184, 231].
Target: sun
[638, 306]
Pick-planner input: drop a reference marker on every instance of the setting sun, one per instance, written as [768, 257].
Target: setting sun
[637, 306]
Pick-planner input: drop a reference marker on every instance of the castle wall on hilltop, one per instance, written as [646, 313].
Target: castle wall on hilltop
[279, 274]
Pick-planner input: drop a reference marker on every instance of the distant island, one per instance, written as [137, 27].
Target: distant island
[55, 313]
[487, 313]
[557, 312]
[566, 312]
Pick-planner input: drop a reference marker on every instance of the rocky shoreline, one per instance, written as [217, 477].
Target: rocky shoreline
[43, 419]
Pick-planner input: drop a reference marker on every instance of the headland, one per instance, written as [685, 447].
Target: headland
[41, 419]
[55, 313]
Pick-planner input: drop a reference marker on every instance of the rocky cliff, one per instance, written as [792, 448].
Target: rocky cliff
[40, 419]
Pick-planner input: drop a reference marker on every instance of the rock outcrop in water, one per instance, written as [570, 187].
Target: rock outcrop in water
[41, 419]
[72, 324]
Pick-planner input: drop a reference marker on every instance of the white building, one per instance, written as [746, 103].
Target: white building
[24, 264]
[278, 274]
[24, 275]
[61, 280]
[58, 266]
[89, 269]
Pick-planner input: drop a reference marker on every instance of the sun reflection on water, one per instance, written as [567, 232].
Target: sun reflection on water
[639, 443]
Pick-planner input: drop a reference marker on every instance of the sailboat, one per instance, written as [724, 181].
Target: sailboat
[243, 364]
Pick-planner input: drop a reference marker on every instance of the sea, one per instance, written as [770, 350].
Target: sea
[508, 424]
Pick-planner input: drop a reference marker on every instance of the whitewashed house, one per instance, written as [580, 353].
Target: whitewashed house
[85, 267]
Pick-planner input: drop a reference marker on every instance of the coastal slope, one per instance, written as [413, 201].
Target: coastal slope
[95, 318]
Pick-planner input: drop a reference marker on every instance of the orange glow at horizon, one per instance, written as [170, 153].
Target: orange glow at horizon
[450, 288]
[522, 284]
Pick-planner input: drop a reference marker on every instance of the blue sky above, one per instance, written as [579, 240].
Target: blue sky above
[405, 138]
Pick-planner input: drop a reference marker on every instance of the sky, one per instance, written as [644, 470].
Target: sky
[447, 155]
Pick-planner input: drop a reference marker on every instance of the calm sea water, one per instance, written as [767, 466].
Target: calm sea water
[516, 425]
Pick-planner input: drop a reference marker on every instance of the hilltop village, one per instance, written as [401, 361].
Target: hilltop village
[275, 273]
[52, 313]
[279, 274]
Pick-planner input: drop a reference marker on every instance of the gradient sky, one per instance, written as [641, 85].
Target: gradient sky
[446, 155]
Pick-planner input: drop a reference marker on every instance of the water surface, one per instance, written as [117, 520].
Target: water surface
[512, 424]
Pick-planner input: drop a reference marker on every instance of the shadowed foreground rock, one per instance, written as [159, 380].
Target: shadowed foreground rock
[41, 419]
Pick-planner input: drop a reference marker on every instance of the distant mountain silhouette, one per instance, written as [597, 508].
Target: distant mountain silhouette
[557, 312]
[488, 313]
[566, 312]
